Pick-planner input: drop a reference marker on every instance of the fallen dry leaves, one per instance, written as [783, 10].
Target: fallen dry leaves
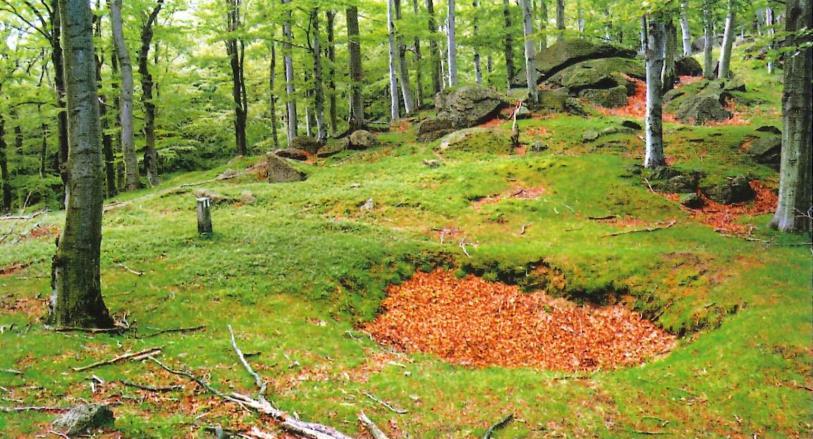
[518, 193]
[725, 217]
[473, 322]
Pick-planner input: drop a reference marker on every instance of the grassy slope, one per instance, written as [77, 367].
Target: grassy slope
[296, 270]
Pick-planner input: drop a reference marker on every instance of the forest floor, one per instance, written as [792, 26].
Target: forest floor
[300, 271]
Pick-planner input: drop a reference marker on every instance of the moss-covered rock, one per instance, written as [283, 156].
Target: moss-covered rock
[468, 106]
[609, 98]
[732, 190]
[688, 66]
[568, 52]
[598, 74]
[483, 140]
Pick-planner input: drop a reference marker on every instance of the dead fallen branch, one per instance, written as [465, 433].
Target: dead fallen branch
[33, 409]
[644, 230]
[523, 229]
[130, 270]
[498, 426]
[261, 385]
[11, 371]
[114, 330]
[173, 330]
[23, 217]
[131, 356]
[602, 218]
[388, 406]
[371, 428]
[151, 388]
[222, 177]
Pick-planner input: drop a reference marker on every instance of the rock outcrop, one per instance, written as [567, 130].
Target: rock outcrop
[460, 108]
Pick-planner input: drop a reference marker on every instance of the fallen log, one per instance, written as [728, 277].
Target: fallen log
[644, 230]
[370, 426]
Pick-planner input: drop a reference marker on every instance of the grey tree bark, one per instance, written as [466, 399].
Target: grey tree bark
[669, 75]
[394, 106]
[452, 44]
[76, 298]
[769, 23]
[107, 140]
[478, 71]
[543, 24]
[530, 51]
[235, 49]
[654, 105]
[272, 87]
[686, 32]
[150, 153]
[318, 90]
[418, 64]
[5, 179]
[356, 119]
[290, 89]
[434, 51]
[331, 71]
[728, 42]
[403, 67]
[795, 206]
[131, 179]
[560, 19]
[508, 42]
[708, 37]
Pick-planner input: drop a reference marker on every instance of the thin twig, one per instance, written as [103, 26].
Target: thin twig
[400, 411]
[11, 371]
[151, 388]
[523, 229]
[648, 229]
[171, 330]
[32, 409]
[498, 426]
[146, 353]
[261, 385]
[22, 217]
[113, 330]
[370, 426]
[130, 270]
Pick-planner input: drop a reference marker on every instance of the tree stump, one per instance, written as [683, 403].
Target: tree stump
[204, 217]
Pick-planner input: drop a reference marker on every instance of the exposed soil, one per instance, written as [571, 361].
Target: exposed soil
[519, 193]
[725, 218]
[473, 322]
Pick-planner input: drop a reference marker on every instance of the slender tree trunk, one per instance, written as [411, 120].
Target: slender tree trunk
[530, 51]
[5, 179]
[543, 24]
[107, 140]
[418, 64]
[356, 119]
[394, 106]
[403, 68]
[59, 86]
[728, 42]
[290, 91]
[235, 49]
[272, 107]
[478, 71]
[654, 112]
[76, 298]
[434, 51]
[120, 172]
[769, 23]
[560, 19]
[150, 153]
[669, 76]
[686, 32]
[508, 42]
[579, 17]
[43, 145]
[452, 44]
[318, 90]
[708, 36]
[331, 71]
[644, 37]
[125, 98]
[795, 206]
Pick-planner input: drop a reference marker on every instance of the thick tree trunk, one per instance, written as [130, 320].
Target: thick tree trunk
[150, 153]
[107, 140]
[356, 119]
[728, 42]
[686, 32]
[290, 90]
[76, 298]
[5, 179]
[434, 51]
[654, 111]
[403, 68]
[795, 205]
[272, 104]
[418, 64]
[452, 44]
[125, 98]
[235, 49]
[478, 71]
[394, 106]
[508, 42]
[530, 51]
[708, 37]
[669, 76]
[560, 19]
[318, 90]
[331, 71]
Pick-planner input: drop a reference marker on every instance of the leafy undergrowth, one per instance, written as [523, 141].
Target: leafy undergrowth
[472, 322]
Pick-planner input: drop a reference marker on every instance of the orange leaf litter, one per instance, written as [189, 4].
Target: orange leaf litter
[473, 322]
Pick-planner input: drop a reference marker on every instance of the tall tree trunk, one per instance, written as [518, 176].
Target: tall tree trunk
[76, 299]
[769, 23]
[120, 172]
[331, 71]
[290, 90]
[59, 86]
[318, 90]
[543, 24]
[43, 145]
[5, 179]
[150, 153]
[452, 44]
[795, 205]
[686, 32]
[394, 106]
[654, 111]
[560, 19]
[107, 140]
[728, 42]
[478, 71]
[434, 51]
[356, 119]
[403, 68]
[125, 98]
[669, 76]
[644, 33]
[530, 51]
[272, 107]
[418, 64]
[708, 37]
[579, 17]
[235, 49]
[508, 42]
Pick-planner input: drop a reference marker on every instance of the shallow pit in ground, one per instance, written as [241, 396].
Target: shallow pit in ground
[473, 322]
